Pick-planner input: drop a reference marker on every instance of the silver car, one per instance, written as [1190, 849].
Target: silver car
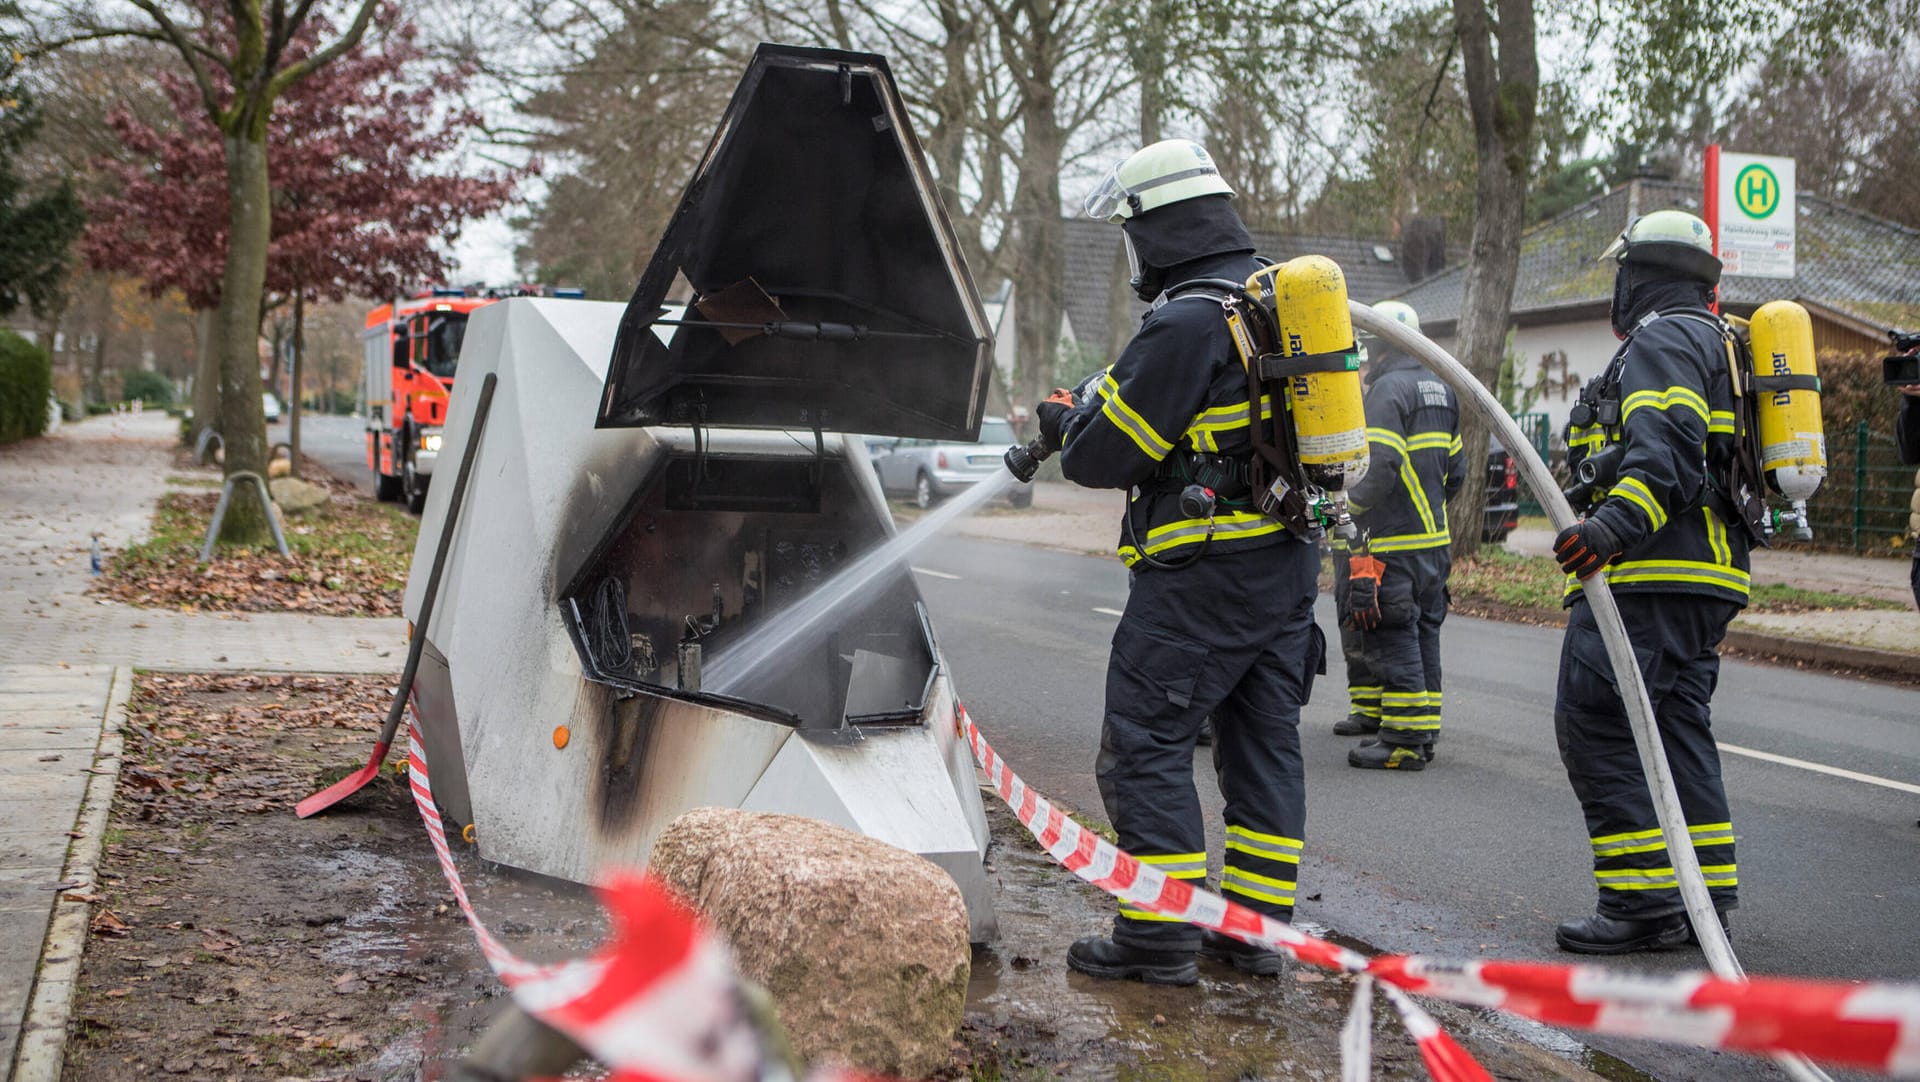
[929, 471]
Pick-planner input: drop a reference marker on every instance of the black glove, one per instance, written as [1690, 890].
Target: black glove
[1052, 414]
[1363, 592]
[1587, 546]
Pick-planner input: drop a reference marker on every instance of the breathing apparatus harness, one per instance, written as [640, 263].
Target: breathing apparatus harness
[1735, 486]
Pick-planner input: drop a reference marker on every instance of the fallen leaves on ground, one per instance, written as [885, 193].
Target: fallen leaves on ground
[352, 561]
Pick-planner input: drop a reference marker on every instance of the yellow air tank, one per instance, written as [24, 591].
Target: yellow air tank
[1329, 420]
[1793, 444]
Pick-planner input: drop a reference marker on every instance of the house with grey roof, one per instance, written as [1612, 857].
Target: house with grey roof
[1857, 276]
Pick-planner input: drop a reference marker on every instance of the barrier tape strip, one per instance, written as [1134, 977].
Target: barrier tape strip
[659, 1001]
[1875, 1026]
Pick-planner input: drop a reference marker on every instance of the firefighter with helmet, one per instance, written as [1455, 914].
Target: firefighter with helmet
[1219, 619]
[1660, 426]
[1391, 591]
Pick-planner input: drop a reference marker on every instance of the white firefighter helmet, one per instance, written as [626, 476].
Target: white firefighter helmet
[1165, 172]
[1400, 312]
[1668, 238]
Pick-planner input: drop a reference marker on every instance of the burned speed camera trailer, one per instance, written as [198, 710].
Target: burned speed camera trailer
[659, 481]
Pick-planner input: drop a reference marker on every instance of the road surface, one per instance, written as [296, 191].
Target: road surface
[338, 443]
[1484, 852]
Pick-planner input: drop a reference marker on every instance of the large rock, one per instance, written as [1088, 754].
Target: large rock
[863, 946]
[297, 498]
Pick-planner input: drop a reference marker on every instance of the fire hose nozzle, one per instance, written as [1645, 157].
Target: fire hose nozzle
[1024, 461]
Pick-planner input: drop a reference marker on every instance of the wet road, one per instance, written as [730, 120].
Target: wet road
[1484, 852]
[338, 443]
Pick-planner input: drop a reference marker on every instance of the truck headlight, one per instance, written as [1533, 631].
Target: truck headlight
[430, 441]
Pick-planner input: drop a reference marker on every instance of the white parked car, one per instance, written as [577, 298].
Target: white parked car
[929, 471]
[271, 405]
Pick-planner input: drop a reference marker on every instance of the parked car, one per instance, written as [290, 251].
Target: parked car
[1503, 494]
[270, 405]
[928, 471]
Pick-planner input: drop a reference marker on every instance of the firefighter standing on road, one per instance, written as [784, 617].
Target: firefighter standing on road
[1676, 558]
[1219, 619]
[1392, 596]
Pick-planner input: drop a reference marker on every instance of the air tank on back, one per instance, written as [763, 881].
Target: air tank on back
[1329, 419]
[1793, 445]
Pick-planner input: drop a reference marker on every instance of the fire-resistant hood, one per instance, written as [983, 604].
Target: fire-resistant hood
[810, 278]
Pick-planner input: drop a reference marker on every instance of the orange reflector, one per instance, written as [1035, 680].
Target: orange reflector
[561, 736]
[409, 630]
[466, 834]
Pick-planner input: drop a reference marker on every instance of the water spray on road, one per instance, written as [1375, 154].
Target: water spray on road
[767, 641]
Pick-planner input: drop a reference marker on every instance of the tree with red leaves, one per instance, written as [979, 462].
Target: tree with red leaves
[365, 193]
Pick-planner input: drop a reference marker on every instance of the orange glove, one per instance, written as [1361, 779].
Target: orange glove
[1363, 591]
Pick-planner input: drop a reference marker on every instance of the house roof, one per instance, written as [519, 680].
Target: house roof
[1863, 267]
[1095, 269]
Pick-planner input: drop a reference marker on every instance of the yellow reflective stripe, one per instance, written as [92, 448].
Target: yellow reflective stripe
[1129, 912]
[1635, 835]
[1412, 483]
[1720, 875]
[1636, 878]
[1455, 447]
[1264, 888]
[1717, 538]
[1622, 849]
[1410, 541]
[1438, 440]
[1150, 442]
[1661, 400]
[1636, 492]
[1721, 421]
[1586, 436]
[1387, 437]
[1281, 840]
[1415, 697]
[1689, 571]
[1178, 865]
[1262, 850]
[1713, 834]
[1415, 723]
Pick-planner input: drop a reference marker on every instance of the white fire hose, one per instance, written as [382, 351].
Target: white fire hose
[1633, 688]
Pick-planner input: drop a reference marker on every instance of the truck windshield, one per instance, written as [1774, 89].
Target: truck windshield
[445, 332]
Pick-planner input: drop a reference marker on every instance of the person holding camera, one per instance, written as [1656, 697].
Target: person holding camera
[1906, 434]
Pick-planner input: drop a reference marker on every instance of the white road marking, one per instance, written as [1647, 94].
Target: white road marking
[935, 574]
[1109, 612]
[1821, 768]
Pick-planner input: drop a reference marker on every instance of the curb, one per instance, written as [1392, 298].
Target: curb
[1836, 658]
[43, 1035]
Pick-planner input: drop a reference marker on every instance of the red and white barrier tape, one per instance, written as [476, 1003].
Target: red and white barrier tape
[659, 1002]
[1871, 1026]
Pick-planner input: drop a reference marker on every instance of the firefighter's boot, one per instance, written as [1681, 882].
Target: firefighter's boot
[1601, 934]
[1426, 750]
[1356, 725]
[1376, 755]
[1099, 956]
[1245, 957]
[1693, 936]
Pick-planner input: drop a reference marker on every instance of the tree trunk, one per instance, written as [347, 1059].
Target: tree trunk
[206, 374]
[293, 398]
[1502, 91]
[1040, 246]
[243, 423]
[97, 381]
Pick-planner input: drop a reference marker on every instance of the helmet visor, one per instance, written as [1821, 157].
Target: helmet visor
[1133, 257]
[1107, 199]
[1615, 251]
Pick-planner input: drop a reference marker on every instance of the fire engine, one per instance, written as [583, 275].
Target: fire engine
[410, 360]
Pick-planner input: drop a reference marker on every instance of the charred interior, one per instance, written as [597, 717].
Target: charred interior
[709, 548]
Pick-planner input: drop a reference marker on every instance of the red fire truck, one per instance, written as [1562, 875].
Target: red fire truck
[409, 373]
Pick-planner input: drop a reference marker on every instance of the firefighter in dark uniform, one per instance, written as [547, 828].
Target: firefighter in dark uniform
[1219, 619]
[1675, 555]
[1392, 596]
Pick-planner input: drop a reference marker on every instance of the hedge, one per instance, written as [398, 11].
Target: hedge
[152, 388]
[26, 381]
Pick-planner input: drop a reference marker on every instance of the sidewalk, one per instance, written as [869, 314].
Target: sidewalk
[60, 651]
[1068, 518]
[1863, 576]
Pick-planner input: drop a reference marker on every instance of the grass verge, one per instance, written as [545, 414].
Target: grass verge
[1535, 582]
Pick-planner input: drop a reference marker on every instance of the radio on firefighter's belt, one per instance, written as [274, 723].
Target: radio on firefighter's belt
[1786, 401]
